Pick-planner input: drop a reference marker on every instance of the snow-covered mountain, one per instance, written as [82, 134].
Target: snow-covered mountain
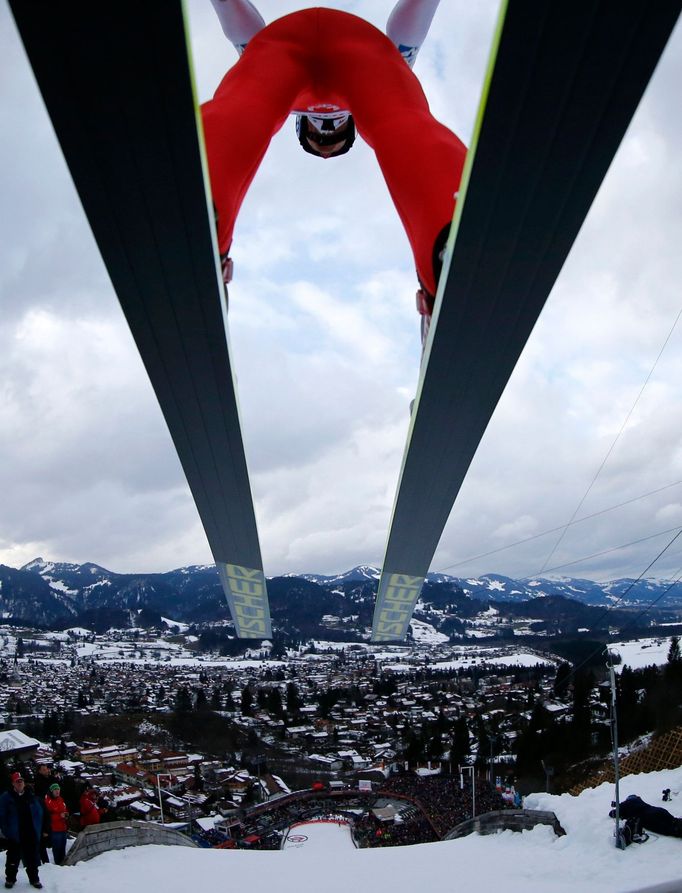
[497, 587]
[360, 574]
[56, 594]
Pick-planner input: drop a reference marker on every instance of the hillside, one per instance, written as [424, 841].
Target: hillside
[60, 595]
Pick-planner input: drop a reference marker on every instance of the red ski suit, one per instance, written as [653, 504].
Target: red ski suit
[325, 57]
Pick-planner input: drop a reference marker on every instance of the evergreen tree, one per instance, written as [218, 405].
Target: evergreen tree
[483, 738]
[357, 696]
[201, 701]
[435, 749]
[183, 700]
[414, 750]
[274, 703]
[562, 679]
[669, 706]
[294, 702]
[442, 723]
[247, 701]
[459, 748]
[581, 726]
[535, 742]
[628, 705]
[50, 724]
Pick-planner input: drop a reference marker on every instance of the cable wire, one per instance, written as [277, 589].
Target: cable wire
[613, 445]
[643, 539]
[622, 596]
[536, 536]
[655, 601]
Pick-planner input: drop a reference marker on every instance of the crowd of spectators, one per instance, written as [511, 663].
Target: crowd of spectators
[428, 808]
[33, 818]
[443, 800]
[414, 828]
[264, 827]
[79, 795]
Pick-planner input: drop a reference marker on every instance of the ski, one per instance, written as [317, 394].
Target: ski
[117, 82]
[563, 82]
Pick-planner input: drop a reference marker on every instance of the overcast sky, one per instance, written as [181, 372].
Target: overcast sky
[326, 345]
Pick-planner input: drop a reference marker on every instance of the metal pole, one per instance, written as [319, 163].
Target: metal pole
[620, 843]
[471, 770]
[158, 785]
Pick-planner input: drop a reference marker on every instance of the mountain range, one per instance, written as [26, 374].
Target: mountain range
[60, 595]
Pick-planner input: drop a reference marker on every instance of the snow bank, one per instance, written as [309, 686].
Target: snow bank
[530, 862]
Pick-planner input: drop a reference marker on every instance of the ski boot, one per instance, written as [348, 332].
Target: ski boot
[227, 269]
[226, 262]
[425, 300]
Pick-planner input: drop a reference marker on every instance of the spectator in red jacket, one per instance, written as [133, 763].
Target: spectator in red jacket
[58, 814]
[90, 812]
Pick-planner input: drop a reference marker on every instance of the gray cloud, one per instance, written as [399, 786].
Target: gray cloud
[326, 345]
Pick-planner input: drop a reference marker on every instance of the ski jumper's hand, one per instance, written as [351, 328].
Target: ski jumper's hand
[240, 21]
[409, 24]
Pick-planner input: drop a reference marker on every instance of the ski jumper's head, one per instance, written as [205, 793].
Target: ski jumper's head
[325, 137]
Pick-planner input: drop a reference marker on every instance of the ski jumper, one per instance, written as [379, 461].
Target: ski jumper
[322, 62]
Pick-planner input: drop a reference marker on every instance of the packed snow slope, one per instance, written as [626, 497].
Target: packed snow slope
[531, 862]
[319, 836]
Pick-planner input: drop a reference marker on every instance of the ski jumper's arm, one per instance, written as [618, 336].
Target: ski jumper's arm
[240, 21]
[409, 24]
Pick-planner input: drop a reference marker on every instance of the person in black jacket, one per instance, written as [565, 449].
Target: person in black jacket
[43, 779]
[652, 818]
[21, 822]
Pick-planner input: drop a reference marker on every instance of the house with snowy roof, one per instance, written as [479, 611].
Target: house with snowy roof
[145, 810]
[14, 743]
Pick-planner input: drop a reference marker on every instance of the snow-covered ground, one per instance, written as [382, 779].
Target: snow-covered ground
[642, 652]
[425, 634]
[513, 659]
[312, 838]
[474, 656]
[122, 646]
[584, 861]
